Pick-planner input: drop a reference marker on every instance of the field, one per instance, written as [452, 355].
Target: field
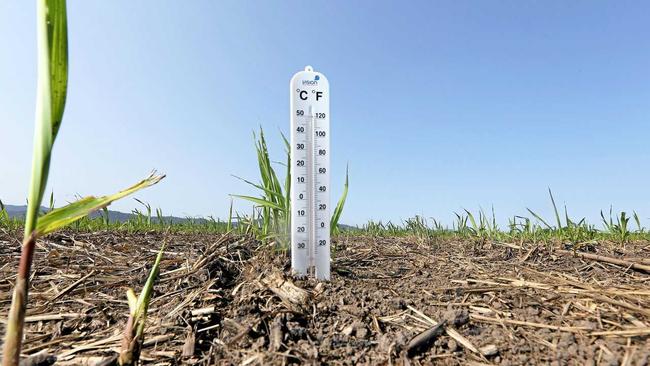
[78, 287]
[393, 299]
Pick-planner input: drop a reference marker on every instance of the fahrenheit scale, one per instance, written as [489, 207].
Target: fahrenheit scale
[310, 179]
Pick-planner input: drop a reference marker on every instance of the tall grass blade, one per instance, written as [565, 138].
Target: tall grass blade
[287, 178]
[557, 214]
[51, 96]
[338, 210]
[51, 91]
[472, 221]
[229, 227]
[638, 222]
[607, 224]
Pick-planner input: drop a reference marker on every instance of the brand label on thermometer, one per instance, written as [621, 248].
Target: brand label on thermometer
[310, 165]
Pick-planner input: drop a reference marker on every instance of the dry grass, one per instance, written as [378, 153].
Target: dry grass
[222, 299]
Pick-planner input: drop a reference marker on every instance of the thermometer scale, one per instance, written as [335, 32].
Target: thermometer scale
[310, 180]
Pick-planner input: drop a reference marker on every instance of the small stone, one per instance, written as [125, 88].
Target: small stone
[348, 330]
[489, 350]
[452, 345]
[319, 287]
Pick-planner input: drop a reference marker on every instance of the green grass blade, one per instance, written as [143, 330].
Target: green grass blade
[472, 221]
[276, 196]
[557, 214]
[51, 91]
[58, 60]
[638, 222]
[145, 296]
[63, 216]
[539, 218]
[229, 226]
[338, 210]
[133, 337]
[260, 201]
[287, 178]
[274, 200]
[606, 224]
[52, 29]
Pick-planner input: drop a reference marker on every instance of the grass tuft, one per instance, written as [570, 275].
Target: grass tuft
[270, 218]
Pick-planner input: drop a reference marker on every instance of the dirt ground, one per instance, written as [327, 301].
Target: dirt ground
[227, 300]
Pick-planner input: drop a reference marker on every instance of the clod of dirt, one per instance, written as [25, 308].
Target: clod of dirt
[566, 339]
[42, 358]
[452, 345]
[400, 340]
[456, 317]
[588, 324]
[532, 311]
[644, 360]
[398, 304]
[610, 360]
[296, 331]
[355, 310]
[360, 330]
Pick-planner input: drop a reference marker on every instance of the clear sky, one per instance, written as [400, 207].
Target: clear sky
[436, 105]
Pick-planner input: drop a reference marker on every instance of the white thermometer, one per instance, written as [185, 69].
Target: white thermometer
[310, 169]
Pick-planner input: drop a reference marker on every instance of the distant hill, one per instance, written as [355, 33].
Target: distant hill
[113, 216]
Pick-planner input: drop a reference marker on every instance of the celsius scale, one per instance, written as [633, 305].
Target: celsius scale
[310, 179]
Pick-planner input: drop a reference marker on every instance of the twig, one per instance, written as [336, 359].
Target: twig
[71, 287]
[611, 260]
[623, 333]
[526, 324]
[450, 332]
[423, 341]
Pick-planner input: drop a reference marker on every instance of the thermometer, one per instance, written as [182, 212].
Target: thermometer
[310, 180]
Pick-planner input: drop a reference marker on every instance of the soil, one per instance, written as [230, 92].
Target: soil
[229, 300]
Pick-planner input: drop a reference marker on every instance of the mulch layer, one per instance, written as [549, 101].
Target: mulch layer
[223, 300]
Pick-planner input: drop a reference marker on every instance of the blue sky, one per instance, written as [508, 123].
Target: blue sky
[436, 105]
